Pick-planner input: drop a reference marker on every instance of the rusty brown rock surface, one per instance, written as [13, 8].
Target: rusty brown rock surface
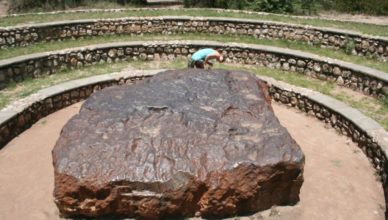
[178, 144]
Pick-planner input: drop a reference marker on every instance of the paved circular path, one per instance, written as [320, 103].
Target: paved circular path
[339, 180]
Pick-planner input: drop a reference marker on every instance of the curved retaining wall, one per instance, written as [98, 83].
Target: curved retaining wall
[359, 78]
[325, 37]
[371, 137]
[219, 10]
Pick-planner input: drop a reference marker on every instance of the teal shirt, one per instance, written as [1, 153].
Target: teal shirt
[201, 55]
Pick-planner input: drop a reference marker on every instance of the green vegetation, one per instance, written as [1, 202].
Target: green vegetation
[175, 64]
[17, 91]
[277, 6]
[349, 46]
[377, 7]
[341, 55]
[36, 18]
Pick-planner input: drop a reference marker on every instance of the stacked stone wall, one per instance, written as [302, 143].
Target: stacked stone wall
[364, 45]
[359, 78]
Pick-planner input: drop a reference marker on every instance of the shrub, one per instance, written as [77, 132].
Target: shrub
[279, 6]
[199, 3]
[377, 7]
[308, 6]
[349, 46]
[256, 5]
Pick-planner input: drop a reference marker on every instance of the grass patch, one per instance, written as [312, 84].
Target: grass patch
[176, 64]
[359, 27]
[17, 91]
[336, 54]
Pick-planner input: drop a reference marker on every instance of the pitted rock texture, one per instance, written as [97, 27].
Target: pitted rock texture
[182, 143]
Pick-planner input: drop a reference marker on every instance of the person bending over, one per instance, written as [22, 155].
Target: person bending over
[202, 57]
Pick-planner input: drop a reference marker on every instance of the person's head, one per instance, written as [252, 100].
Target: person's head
[221, 58]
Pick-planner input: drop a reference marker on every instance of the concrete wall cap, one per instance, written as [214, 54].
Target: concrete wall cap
[159, 9]
[6, 115]
[191, 18]
[383, 76]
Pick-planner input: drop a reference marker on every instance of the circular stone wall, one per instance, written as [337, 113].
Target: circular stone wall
[359, 78]
[364, 45]
[338, 177]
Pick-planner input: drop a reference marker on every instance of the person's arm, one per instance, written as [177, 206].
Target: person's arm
[210, 57]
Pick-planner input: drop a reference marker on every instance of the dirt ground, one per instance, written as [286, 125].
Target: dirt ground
[370, 19]
[339, 181]
[4, 6]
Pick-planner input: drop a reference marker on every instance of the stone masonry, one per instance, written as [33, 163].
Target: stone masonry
[366, 80]
[370, 46]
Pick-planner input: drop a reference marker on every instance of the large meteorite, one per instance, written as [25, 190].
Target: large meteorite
[178, 144]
